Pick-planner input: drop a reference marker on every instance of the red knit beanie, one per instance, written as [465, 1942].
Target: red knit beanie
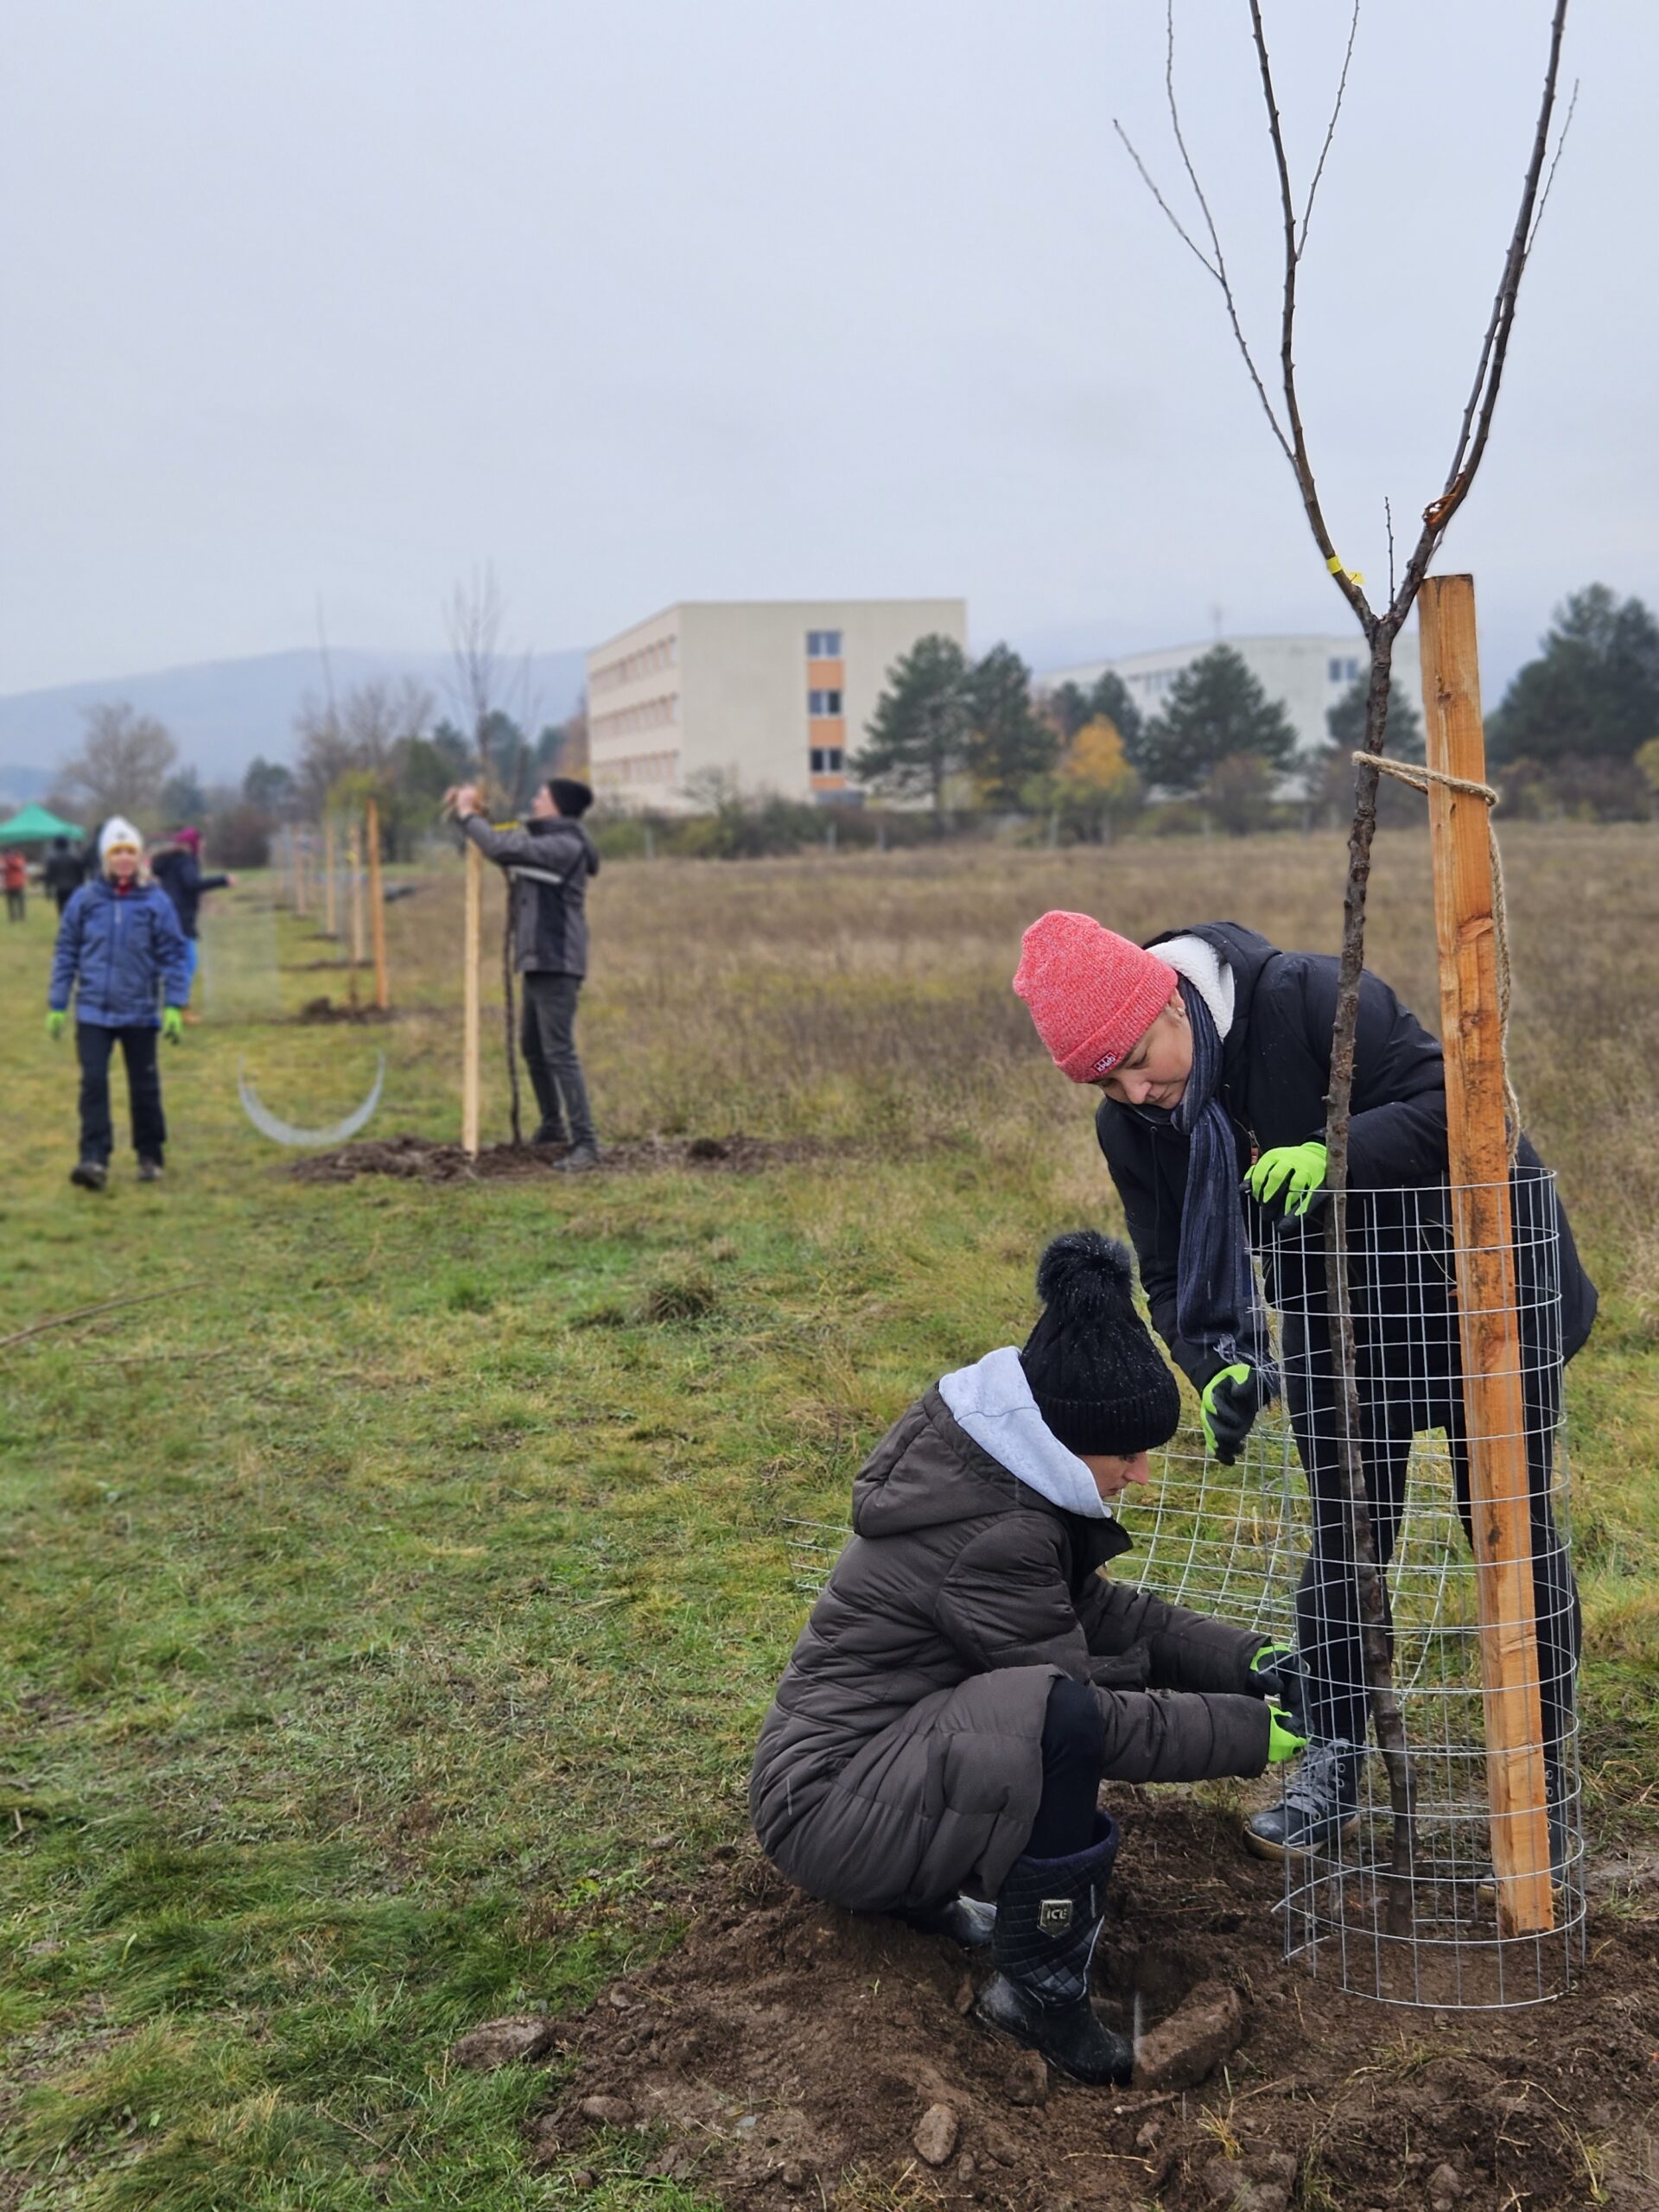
[1092, 994]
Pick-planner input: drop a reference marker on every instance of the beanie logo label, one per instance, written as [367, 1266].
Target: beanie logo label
[1109, 1060]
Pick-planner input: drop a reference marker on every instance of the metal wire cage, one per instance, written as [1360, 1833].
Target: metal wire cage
[1269, 1543]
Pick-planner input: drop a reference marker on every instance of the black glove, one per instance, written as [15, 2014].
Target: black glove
[1277, 1673]
[1229, 1404]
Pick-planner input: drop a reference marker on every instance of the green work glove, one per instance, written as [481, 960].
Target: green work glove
[172, 1024]
[1228, 1405]
[1283, 1741]
[54, 1022]
[1288, 1176]
[1276, 1673]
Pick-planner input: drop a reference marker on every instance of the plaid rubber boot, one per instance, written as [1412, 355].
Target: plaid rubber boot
[1048, 1914]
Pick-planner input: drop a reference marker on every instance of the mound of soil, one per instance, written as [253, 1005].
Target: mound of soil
[422, 1160]
[328, 1009]
[789, 2053]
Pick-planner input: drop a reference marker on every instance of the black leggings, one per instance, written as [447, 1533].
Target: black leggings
[1393, 1408]
[1074, 1751]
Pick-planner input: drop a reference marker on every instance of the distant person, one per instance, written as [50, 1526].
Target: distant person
[15, 870]
[177, 868]
[63, 871]
[120, 950]
[547, 858]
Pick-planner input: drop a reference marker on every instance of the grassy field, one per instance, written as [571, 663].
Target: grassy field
[391, 1600]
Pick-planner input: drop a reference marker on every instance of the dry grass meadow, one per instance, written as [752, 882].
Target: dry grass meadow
[392, 1596]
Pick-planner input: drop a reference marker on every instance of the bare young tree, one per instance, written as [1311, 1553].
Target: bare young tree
[123, 763]
[1380, 627]
[476, 617]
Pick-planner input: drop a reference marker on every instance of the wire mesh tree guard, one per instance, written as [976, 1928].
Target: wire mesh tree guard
[1265, 1543]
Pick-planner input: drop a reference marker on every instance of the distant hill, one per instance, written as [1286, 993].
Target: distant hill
[222, 713]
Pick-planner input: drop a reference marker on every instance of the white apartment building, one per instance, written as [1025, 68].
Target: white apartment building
[1307, 674]
[774, 692]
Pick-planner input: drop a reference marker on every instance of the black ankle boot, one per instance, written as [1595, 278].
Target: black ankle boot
[1048, 1915]
[967, 1920]
[1320, 1803]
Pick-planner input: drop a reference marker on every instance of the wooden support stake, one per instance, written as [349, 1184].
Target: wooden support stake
[330, 884]
[376, 906]
[1478, 1154]
[302, 883]
[471, 935]
[354, 890]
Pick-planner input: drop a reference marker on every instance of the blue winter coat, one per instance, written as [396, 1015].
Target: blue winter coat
[119, 955]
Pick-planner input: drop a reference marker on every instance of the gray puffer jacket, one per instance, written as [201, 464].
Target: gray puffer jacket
[548, 860]
[901, 1760]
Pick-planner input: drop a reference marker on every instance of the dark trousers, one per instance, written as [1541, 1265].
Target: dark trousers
[1402, 1388]
[1074, 1751]
[548, 1034]
[94, 1044]
[15, 907]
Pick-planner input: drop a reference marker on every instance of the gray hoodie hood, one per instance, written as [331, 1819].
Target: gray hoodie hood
[992, 1400]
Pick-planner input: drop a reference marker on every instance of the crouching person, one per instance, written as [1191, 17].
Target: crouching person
[967, 1676]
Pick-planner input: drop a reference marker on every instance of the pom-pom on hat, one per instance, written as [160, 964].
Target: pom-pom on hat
[1092, 995]
[1094, 1371]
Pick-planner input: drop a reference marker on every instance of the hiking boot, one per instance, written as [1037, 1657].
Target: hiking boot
[1319, 1806]
[967, 1920]
[91, 1174]
[149, 1171]
[578, 1159]
[1048, 1915]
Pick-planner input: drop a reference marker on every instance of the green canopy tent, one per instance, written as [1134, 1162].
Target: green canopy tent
[34, 825]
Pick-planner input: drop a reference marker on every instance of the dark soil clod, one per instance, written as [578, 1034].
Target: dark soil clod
[422, 1160]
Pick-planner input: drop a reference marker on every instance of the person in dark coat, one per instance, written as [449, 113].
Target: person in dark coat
[63, 871]
[176, 866]
[1212, 1050]
[968, 1675]
[548, 861]
[120, 952]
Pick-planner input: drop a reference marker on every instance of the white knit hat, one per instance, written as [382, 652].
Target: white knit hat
[118, 831]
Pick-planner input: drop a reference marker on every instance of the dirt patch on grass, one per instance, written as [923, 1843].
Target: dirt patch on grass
[420, 1160]
[787, 2053]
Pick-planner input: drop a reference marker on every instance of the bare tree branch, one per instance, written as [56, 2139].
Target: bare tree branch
[1560, 148]
[1330, 130]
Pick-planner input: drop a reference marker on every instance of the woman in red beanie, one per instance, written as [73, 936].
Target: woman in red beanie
[1212, 1048]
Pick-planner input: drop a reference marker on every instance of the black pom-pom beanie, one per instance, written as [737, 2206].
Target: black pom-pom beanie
[1098, 1378]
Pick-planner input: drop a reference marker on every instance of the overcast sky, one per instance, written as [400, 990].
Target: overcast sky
[670, 299]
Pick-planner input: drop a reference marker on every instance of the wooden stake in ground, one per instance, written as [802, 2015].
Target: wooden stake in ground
[1478, 1154]
[301, 882]
[330, 881]
[376, 906]
[471, 932]
[355, 896]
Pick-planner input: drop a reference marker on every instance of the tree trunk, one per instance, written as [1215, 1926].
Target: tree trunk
[1379, 1665]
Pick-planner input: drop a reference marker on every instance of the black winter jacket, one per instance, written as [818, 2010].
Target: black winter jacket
[902, 1754]
[1276, 1072]
[548, 861]
[178, 871]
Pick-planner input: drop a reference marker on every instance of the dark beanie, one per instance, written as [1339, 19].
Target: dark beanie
[568, 796]
[1098, 1378]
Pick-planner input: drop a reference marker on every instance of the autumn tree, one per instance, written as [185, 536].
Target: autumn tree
[1096, 786]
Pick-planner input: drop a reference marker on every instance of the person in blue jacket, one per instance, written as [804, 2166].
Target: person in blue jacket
[120, 951]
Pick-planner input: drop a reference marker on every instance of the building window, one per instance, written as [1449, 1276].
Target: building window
[827, 760]
[1341, 671]
[823, 644]
[823, 702]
